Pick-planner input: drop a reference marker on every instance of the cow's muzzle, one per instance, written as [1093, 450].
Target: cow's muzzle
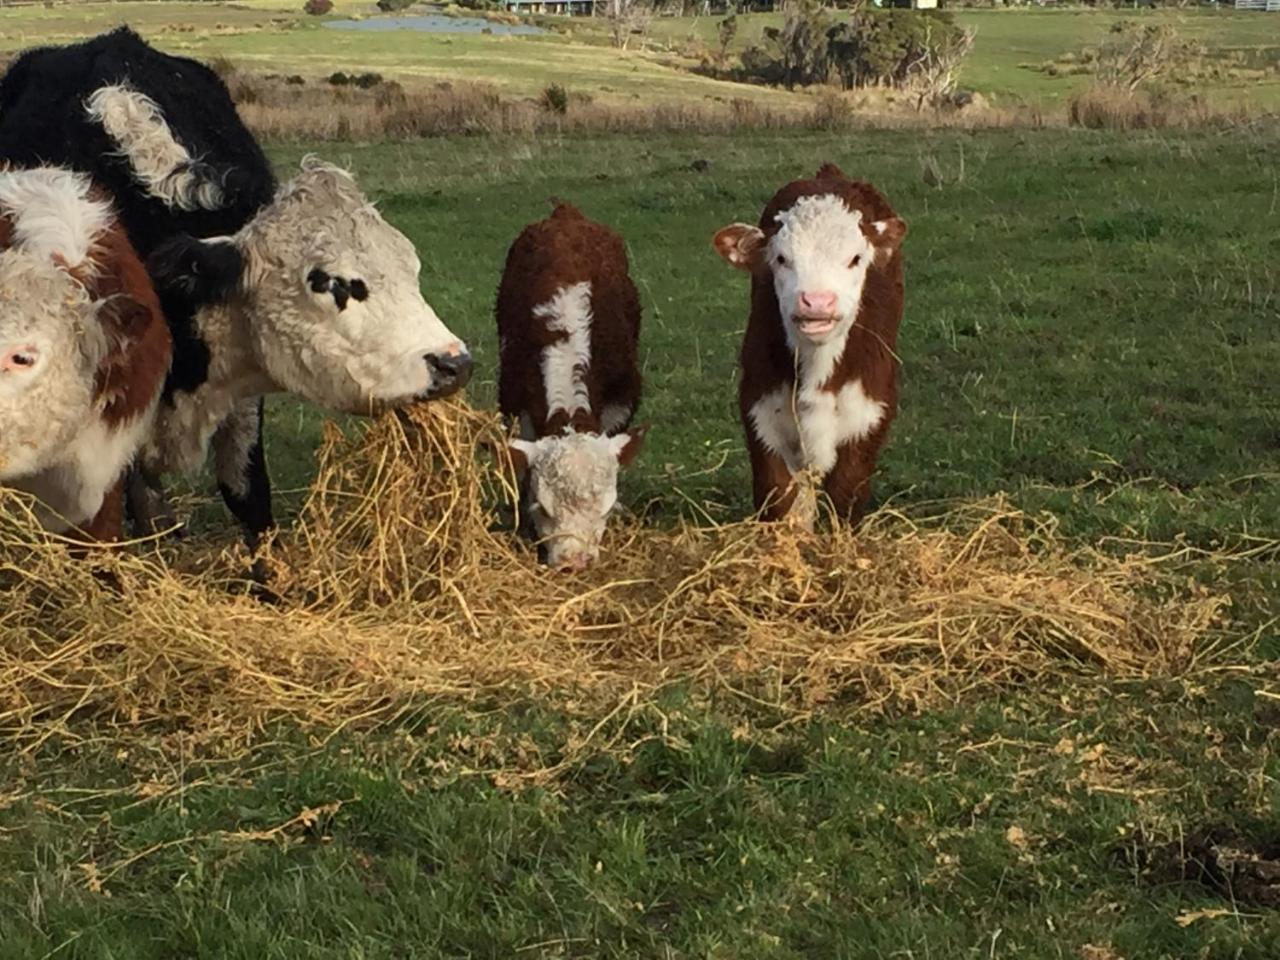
[449, 373]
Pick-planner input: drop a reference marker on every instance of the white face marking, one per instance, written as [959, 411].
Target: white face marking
[809, 430]
[160, 163]
[53, 442]
[565, 362]
[50, 342]
[819, 260]
[50, 354]
[573, 486]
[336, 312]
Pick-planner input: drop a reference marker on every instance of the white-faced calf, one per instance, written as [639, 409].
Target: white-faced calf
[568, 328]
[818, 385]
[84, 349]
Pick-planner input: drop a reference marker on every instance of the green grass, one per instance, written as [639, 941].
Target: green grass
[1090, 327]
[274, 35]
[1004, 830]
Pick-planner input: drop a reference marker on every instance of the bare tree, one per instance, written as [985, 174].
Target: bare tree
[1136, 54]
[934, 71]
[627, 19]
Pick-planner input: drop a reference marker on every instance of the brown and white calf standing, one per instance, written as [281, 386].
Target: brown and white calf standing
[84, 350]
[568, 331]
[818, 385]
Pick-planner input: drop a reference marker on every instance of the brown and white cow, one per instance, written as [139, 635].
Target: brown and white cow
[84, 349]
[818, 367]
[568, 329]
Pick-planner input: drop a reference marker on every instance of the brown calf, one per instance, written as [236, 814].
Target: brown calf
[84, 349]
[819, 373]
[568, 329]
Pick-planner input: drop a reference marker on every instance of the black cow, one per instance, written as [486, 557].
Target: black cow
[46, 117]
[302, 288]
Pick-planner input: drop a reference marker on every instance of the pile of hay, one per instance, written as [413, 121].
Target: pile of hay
[401, 581]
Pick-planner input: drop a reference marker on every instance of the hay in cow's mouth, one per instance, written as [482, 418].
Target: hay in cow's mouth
[398, 584]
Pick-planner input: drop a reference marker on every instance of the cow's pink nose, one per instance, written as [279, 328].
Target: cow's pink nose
[819, 302]
[22, 358]
[575, 563]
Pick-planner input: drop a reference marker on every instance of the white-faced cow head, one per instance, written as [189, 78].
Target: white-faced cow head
[50, 348]
[331, 295]
[52, 331]
[572, 485]
[817, 243]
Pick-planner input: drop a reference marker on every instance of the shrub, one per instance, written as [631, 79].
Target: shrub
[897, 48]
[555, 99]
[390, 6]
[318, 8]
[1136, 53]
[727, 30]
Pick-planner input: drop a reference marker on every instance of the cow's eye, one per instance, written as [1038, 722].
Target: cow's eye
[359, 290]
[857, 259]
[318, 280]
[781, 261]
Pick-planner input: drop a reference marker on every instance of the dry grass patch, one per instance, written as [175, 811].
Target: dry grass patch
[1110, 107]
[297, 108]
[400, 582]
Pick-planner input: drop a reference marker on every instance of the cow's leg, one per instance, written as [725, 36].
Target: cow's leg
[620, 399]
[849, 484]
[148, 509]
[773, 486]
[107, 525]
[241, 469]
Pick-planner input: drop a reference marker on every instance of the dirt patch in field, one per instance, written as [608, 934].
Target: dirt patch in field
[1239, 867]
[401, 581]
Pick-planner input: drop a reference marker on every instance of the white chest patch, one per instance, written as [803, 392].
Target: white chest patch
[565, 362]
[808, 427]
[71, 492]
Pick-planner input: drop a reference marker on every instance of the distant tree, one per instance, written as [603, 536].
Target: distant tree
[935, 76]
[1135, 54]
[726, 30]
[390, 6]
[627, 19]
[800, 45]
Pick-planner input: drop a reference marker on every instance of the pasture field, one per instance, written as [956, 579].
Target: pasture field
[1091, 328]
[274, 36]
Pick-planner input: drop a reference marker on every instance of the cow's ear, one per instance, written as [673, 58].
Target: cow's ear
[205, 270]
[124, 318]
[886, 235]
[740, 244]
[520, 454]
[626, 446]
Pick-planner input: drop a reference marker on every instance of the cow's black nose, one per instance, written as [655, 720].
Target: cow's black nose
[449, 372]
